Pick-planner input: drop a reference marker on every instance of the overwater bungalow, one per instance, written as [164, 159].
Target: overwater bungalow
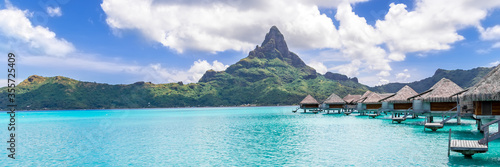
[485, 97]
[373, 103]
[334, 102]
[369, 102]
[309, 103]
[439, 100]
[350, 103]
[360, 106]
[398, 104]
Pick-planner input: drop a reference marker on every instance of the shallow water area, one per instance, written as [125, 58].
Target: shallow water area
[232, 136]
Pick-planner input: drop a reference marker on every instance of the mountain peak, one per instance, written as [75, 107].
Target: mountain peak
[274, 46]
[272, 59]
[274, 39]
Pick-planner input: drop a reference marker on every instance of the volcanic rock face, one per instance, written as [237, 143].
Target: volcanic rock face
[271, 59]
[275, 40]
[274, 46]
[339, 77]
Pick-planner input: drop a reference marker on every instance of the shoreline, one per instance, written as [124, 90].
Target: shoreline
[142, 108]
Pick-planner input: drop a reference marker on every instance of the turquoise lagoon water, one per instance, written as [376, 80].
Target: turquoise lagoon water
[240, 136]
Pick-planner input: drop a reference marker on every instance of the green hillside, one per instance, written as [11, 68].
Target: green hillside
[270, 75]
[463, 78]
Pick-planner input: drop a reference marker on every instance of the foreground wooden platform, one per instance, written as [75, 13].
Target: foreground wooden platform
[433, 126]
[468, 147]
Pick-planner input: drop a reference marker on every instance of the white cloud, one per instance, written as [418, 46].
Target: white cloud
[495, 63]
[496, 45]
[54, 11]
[201, 66]
[431, 26]
[383, 81]
[220, 25]
[330, 3]
[403, 76]
[351, 69]
[490, 33]
[157, 74]
[319, 66]
[152, 72]
[383, 74]
[483, 51]
[40, 40]
[78, 62]
[3, 81]
[360, 44]
[41, 48]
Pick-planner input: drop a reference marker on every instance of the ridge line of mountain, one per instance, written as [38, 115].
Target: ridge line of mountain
[269, 75]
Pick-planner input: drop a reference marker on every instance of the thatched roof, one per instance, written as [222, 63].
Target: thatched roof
[401, 96]
[309, 100]
[386, 95]
[442, 91]
[488, 89]
[364, 96]
[334, 99]
[351, 98]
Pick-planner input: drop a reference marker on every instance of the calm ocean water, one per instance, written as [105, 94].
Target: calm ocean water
[241, 136]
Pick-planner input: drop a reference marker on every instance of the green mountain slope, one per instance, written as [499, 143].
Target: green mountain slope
[463, 78]
[270, 75]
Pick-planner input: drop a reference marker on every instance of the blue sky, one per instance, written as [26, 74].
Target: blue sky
[121, 42]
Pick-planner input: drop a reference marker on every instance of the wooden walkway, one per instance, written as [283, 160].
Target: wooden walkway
[468, 147]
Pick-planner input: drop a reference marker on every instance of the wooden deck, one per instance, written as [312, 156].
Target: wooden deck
[468, 147]
[433, 126]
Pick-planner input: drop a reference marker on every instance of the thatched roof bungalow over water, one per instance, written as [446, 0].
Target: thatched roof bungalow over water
[485, 95]
[334, 101]
[399, 100]
[309, 103]
[351, 99]
[372, 100]
[438, 98]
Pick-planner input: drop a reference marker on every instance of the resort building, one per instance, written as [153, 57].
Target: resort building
[398, 104]
[350, 103]
[370, 102]
[309, 103]
[485, 97]
[334, 102]
[439, 100]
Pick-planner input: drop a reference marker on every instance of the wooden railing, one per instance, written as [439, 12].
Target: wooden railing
[451, 117]
[407, 112]
[486, 131]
